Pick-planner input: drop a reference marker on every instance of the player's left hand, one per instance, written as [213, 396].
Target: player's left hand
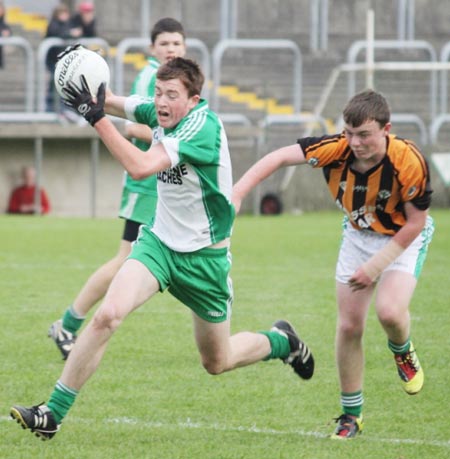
[81, 100]
[359, 280]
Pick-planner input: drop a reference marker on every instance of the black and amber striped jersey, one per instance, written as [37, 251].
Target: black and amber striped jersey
[373, 200]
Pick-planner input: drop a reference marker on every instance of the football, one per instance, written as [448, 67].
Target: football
[81, 61]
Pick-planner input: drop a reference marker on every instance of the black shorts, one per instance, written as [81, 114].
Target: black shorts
[130, 231]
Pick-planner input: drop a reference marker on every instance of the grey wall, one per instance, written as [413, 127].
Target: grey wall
[67, 173]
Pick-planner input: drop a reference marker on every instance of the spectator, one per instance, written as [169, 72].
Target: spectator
[5, 30]
[83, 22]
[22, 197]
[60, 26]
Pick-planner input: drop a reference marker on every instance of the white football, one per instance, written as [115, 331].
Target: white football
[81, 61]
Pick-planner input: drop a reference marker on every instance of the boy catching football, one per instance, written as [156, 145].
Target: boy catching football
[187, 248]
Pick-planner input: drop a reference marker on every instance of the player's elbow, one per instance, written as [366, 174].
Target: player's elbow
[135, 175]
[138, 174]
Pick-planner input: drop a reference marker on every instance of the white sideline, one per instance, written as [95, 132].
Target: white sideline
[189, 424]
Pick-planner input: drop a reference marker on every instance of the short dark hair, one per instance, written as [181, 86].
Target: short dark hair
[166, 25]
[186, 70]
[365, 106]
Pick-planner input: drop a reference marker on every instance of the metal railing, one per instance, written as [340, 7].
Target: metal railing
[318, 34]
[406, 17]
[414, 120]
[351, 68]
[445, 57]
[22, 43]
[436, 126]
[436, 121]
[416, 45]
[225, 45]
[227, 23]
[36, 71]
[228, 19]
[319, 20]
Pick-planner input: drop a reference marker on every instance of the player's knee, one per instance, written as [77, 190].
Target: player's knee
[390, 316]
[351, 329]
[106, 318]
[214, 366]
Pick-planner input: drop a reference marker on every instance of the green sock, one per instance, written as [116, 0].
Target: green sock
[61, 401]
[399, 348]
[71, 321]
[352, 403]
[279, 344]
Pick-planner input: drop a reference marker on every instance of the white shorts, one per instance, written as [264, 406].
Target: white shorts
[358, 246]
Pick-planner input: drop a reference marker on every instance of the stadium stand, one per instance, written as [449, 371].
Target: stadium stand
[266, 87]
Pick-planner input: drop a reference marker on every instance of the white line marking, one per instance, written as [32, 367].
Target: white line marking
[189, 424]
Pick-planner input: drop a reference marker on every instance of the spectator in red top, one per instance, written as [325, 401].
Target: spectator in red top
[21, 200]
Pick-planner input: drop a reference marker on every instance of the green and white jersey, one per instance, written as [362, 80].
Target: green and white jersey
[144, 86]
[194, 207]
[144, 83]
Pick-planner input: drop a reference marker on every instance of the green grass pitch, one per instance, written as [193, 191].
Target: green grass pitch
[150, 397]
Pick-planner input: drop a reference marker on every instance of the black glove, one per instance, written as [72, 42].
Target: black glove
[68, 50]
[80, 100]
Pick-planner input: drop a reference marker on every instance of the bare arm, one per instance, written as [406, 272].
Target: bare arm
[137, 163]
[369, 271]
[266, 166]
[139, 131]
[415, 222]
[114, 105]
